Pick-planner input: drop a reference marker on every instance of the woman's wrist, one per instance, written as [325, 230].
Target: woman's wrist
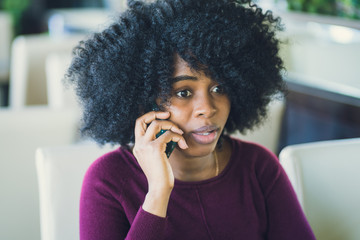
[156, 201]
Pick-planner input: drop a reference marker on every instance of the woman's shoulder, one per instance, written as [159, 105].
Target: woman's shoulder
[117, 162]
[259, 161]
[254, 157]
[250, 150]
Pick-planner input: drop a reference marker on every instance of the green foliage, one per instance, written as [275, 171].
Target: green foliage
[15, 8]
[343, 8]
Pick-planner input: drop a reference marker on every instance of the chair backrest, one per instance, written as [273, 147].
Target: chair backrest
[59, 95]
[22, 131]
[60, 173]
[326, 178]
[268, 134]
[27, 66]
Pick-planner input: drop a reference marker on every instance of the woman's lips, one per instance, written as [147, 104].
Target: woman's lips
[205, 135]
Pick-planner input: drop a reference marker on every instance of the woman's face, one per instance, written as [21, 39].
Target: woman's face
[199, 107]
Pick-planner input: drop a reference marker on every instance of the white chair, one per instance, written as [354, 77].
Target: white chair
[60, 173]
[22, 131]
[267, 134]
[27, 67]
[326, 179]
[59, 95]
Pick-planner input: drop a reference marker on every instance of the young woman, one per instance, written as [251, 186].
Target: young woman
[183, 72]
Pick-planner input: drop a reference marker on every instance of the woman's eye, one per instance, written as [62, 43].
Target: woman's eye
[183, 93]
[218, 89]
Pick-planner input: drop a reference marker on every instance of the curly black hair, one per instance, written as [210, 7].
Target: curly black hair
[120, 72]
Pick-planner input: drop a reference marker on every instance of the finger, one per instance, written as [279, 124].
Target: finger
[157, 125]
[151, 116]
[142, 122]
[171, 136]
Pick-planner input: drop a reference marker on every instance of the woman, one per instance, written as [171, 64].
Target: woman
[186, 72]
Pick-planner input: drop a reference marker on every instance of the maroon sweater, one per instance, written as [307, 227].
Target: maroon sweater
[250, 199]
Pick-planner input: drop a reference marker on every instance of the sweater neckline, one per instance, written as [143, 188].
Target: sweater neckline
[180, 183]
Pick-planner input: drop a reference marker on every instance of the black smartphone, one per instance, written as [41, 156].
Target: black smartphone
[169, 146]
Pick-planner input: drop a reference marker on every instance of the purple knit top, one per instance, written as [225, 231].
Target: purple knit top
[250, 199]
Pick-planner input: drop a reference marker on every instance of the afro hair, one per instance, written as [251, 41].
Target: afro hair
[120, 72]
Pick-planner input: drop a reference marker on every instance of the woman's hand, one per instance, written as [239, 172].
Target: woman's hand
[150, 153]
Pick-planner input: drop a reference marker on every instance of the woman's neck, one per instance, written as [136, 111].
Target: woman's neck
[192, 169]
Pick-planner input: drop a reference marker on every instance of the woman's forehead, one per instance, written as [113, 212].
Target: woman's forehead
[181, 67]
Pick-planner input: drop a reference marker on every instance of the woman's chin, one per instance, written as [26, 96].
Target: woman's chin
[198, 150]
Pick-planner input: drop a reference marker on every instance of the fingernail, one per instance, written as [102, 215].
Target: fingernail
[184, 145]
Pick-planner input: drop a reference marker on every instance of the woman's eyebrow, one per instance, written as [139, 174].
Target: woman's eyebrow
[184, 77]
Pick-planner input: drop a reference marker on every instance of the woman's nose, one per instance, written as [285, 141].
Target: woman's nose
[204, 106]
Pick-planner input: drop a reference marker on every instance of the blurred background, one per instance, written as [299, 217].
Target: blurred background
[320, 47]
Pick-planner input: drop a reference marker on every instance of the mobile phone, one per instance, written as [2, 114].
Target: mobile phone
[169, 146]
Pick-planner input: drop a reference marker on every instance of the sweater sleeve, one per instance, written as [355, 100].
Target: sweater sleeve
[102, 216]
[147, 226]
[286, 219]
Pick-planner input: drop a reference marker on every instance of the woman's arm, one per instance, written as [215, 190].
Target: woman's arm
[101, 214]
[103, 217]
[149, 151]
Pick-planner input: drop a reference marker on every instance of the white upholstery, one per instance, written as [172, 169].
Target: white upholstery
[326, 178]
[21, 132]
[27, 67]
[268, 134]
[60, 174]
[5, 41]
[59, 94]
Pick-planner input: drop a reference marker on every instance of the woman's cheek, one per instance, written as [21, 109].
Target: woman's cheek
[179, 117]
